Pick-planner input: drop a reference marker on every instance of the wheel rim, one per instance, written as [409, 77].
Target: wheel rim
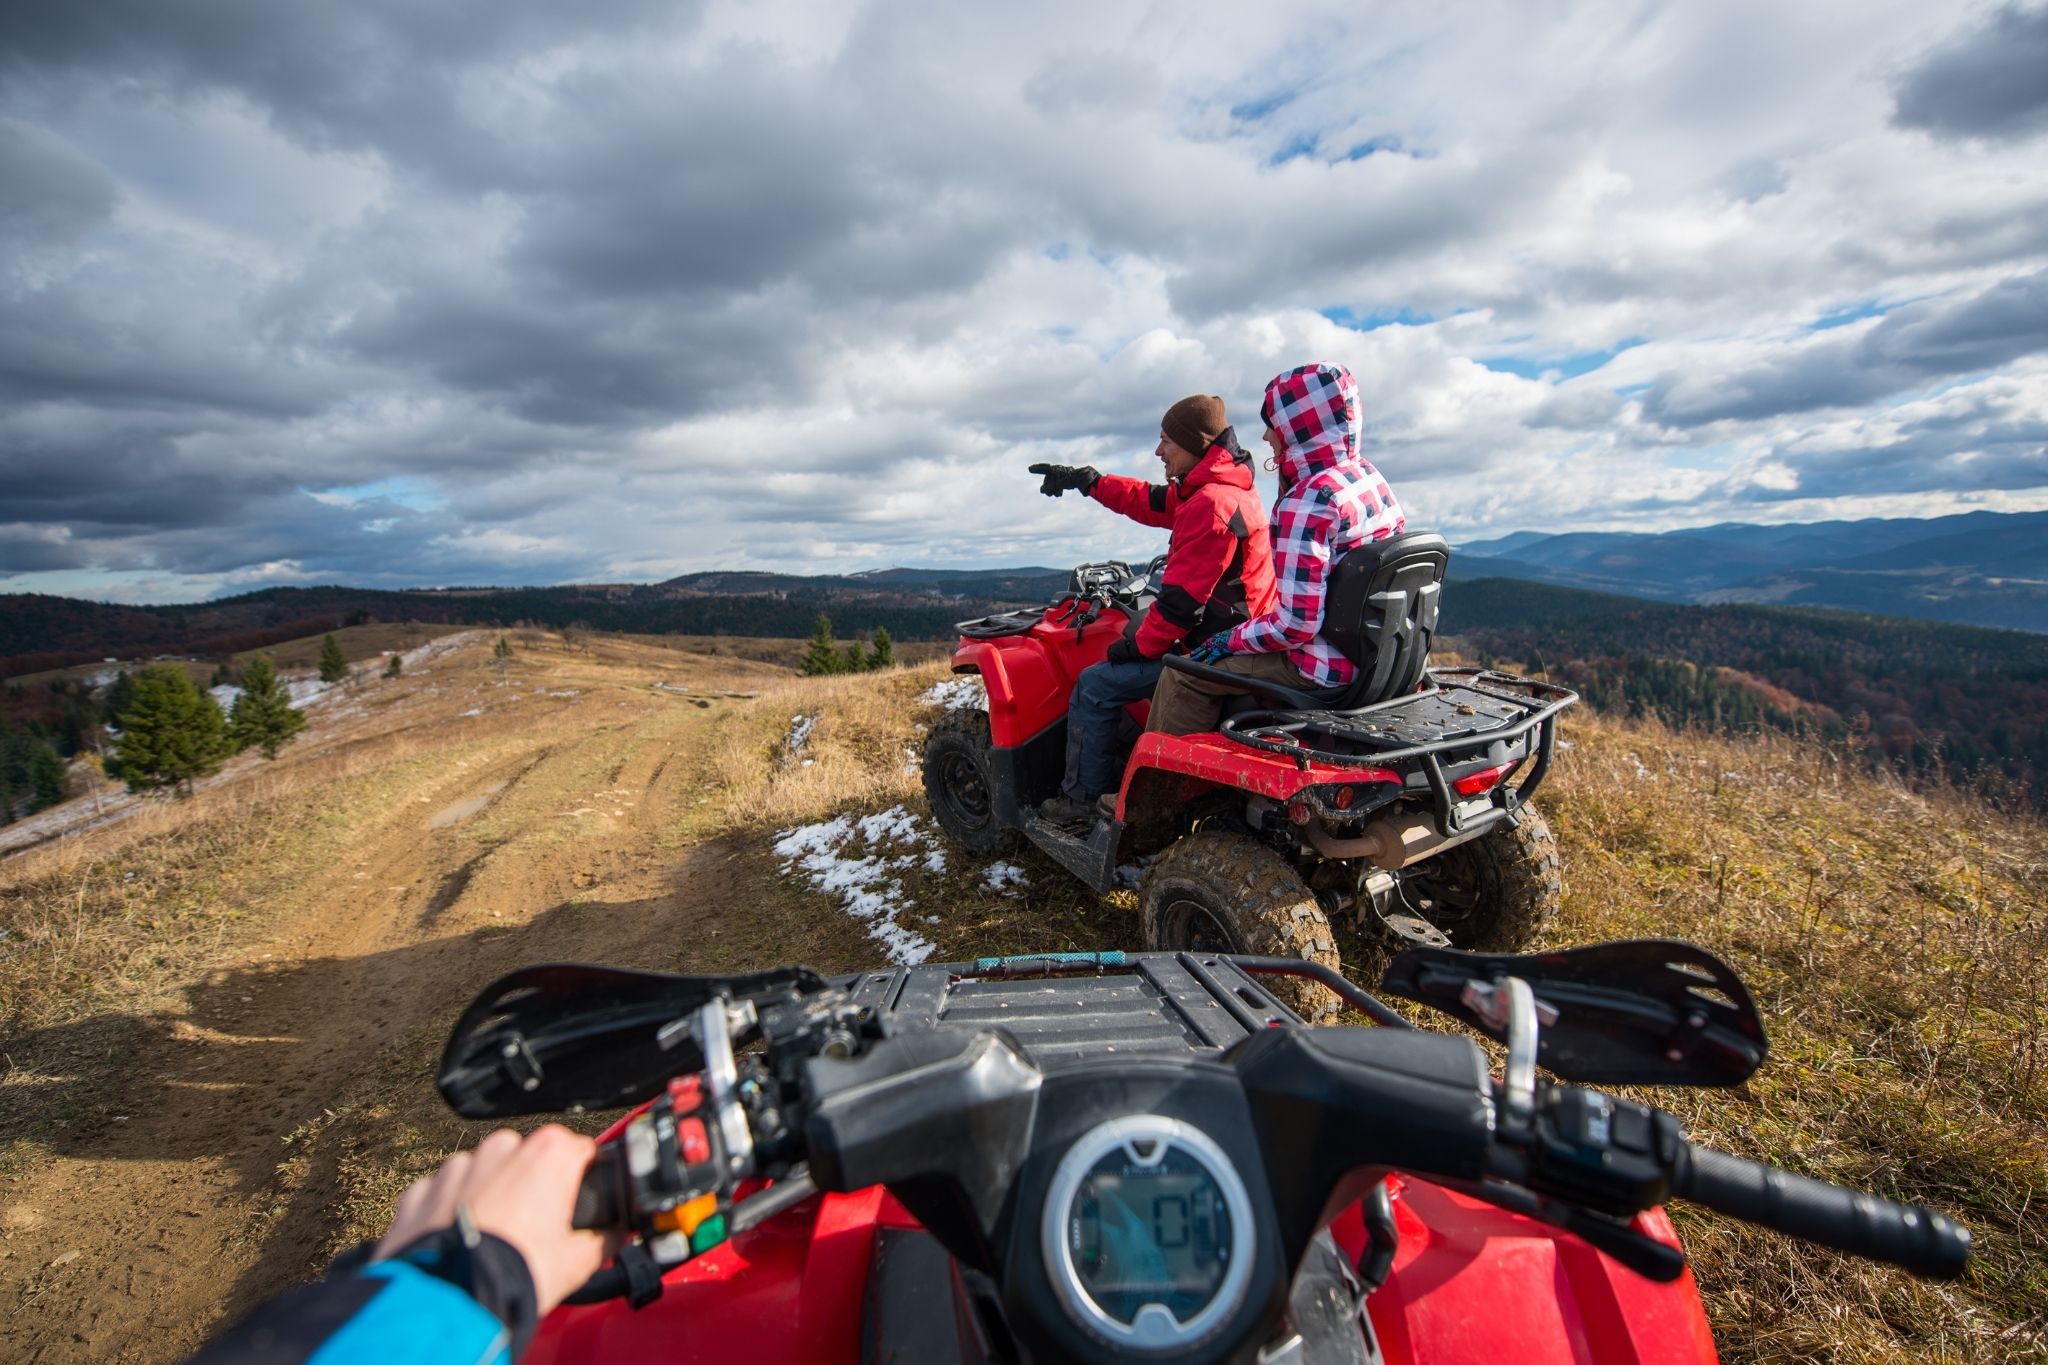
[1198, 928]
[1455, 892]
[960, 779]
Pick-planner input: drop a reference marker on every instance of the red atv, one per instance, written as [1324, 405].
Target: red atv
[1111, 1158]
[1391, 811]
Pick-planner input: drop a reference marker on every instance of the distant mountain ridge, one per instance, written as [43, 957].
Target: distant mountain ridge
[1973, 568]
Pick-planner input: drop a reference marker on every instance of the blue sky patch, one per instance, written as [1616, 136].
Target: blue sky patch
[1868, 309]
[1377, 318]
[403, 489]
[1253, 110]
[1565, 367]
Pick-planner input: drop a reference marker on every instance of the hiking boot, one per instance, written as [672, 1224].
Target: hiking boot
[1066, 810]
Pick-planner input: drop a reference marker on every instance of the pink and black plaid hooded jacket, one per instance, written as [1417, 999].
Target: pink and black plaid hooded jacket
[1331, 499]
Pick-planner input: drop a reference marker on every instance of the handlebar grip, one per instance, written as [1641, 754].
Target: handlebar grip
[1909, 1236]
[599, 1205]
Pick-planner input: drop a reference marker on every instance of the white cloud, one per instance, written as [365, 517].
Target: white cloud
[622, 291]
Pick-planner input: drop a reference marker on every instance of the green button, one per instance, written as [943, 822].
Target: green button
[709, 1234]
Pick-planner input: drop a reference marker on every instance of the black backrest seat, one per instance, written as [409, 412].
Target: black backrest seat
[1379, 610]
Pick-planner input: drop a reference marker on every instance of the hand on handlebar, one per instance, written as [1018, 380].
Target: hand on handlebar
[522, 1190]
[1060, 477]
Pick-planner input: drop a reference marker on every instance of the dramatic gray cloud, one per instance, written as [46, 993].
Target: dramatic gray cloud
[414, 291]
[1990, 82]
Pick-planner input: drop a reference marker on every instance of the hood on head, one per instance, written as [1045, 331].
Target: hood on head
[1315, 410]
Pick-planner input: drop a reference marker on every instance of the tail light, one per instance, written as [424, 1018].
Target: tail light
[1486, 779]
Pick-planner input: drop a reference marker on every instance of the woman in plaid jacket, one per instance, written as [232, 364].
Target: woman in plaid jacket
[1331, 499]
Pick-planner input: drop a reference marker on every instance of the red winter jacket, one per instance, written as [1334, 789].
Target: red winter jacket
[1219, 563]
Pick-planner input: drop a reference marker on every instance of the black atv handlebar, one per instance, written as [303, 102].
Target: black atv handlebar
[1913, 1238]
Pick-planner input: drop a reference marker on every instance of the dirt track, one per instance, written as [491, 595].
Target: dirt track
[524, 825]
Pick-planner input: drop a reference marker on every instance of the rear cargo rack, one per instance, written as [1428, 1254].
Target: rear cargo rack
[1465, 709]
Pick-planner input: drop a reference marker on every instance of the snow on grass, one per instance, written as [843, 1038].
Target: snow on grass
[964, 693]
[434, 649]
[860, 861]
[1003, 876]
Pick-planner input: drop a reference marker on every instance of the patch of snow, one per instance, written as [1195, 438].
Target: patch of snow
[935, 860]
[434, 649]
[474, 711]
[1002, 876]
[800, 728]
[851, 860]
[964, 693]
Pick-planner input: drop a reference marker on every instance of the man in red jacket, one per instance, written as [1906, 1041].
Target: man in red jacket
[1219, 571]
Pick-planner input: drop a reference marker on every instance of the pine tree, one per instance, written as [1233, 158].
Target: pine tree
[501, 654]
[820, 656]
[856, 659]
[46, 777]
[884, 653]
[119, 694]
[333, 663]
[264, 715]
[395, 667]
[171, 733]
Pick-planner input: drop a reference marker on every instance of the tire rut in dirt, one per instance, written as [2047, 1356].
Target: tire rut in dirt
[1217, 892]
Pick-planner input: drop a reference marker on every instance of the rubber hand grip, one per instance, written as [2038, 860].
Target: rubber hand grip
[598, 1203]
[1909, 1236]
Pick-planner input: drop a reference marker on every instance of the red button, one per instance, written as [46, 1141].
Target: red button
[692, 1141]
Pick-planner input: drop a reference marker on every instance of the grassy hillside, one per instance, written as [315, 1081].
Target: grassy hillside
[219, 1015]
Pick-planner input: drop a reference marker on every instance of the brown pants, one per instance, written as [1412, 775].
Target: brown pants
[1184, 704]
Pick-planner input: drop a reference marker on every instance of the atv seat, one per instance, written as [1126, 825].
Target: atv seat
[1380, 612]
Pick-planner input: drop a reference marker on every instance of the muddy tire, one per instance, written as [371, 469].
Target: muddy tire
[958, 788]
[1221, 893]
[1495, 894]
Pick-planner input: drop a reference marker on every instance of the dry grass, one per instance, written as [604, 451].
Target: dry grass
[1895, 943]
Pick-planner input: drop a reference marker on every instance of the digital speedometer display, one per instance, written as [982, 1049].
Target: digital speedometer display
[1149, 1234]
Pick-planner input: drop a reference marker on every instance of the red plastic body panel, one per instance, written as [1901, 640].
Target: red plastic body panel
[1029, 677]
[1209, 760]
[1471, 1283]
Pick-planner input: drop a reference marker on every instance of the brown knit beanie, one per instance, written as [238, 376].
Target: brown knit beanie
[1194, 422]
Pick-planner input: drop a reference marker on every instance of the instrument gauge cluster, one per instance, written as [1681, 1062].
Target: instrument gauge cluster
[1148, 1234]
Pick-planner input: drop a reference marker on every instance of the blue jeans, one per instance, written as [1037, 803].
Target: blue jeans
[1095, 715]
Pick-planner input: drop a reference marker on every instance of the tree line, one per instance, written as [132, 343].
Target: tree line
[822, 655]
[154, 729]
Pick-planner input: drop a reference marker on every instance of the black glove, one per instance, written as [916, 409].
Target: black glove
[1060, 477]
[1124, 651]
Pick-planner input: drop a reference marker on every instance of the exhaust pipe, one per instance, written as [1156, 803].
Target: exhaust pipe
[1392, 843]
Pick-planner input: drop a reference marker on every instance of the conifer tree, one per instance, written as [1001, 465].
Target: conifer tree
[333, 663]
[119, 694]
[883, 655]
[171, 733]
[46, 777]
[395, 667]
[856, 660]
[263, 715]
[501, 654]
[821, 656]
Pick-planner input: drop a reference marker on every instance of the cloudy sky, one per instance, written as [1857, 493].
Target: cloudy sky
[457, 291]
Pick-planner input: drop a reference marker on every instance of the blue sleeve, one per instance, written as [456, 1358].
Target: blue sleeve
[388, 1313]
